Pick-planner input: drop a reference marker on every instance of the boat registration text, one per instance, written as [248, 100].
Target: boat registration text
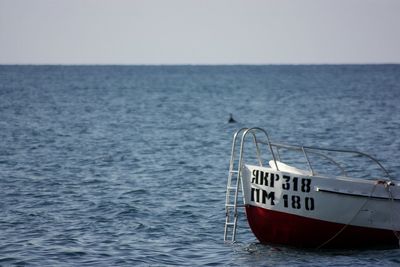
[294, 190]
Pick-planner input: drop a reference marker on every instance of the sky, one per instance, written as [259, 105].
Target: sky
[199, 31]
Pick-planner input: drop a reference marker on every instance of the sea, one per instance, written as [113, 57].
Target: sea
[128, 165]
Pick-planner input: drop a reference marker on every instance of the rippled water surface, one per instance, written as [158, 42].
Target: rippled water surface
[127, 165]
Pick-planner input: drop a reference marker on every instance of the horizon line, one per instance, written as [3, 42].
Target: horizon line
[192, 64]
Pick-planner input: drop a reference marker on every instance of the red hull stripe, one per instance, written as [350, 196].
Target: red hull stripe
[283, 228]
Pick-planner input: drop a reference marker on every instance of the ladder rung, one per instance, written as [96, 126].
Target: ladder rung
[233, 187]
[234, 171]
[230, 224]
[233, 205]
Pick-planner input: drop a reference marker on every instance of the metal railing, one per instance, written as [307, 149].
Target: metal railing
[319, 151]
[307, 150]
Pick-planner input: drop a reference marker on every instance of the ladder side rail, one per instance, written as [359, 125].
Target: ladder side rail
[232, 159]
[239, 181]
[229, 184]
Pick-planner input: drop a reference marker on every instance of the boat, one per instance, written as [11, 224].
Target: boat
[320, 204]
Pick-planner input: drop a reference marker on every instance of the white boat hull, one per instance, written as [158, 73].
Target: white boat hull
[314, 211]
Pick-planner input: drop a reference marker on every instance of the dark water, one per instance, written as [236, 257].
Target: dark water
[125, 166]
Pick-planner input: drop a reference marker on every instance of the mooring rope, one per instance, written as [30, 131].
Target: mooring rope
[345, 226]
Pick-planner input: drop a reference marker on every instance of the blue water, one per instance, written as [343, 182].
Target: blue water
[127, 165]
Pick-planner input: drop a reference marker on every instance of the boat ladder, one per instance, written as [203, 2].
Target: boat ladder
[233, 188]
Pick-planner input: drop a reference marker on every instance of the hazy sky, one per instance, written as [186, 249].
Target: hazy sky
[199, 31]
